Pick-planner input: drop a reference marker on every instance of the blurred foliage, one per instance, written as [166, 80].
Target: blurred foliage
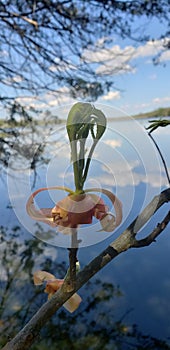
[23, 137]
[43, 43]
[45, 55]
[92, 327]
[156, 113]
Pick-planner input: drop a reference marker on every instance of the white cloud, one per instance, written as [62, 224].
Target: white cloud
[111, 60]
[154, 103]
[49, 100]
[159, 100]
[141, 105]
[15, 79]
[58, 97]
[25, 99]
[107, 54]
[61, 66]
[117, 60]
[165, 56]
[127, 176]
[149, 49]
[113, 143]
[31, 102]
[112, 95]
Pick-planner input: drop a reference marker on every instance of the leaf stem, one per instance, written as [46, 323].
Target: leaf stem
[89, 160]
[162, 158]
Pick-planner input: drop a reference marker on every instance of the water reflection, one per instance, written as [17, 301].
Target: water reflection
[102, 321]
[131, 167]
[125, 162]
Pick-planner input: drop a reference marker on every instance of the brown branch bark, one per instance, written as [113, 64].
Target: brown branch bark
[155, 233]
[71, 278]
[126, 240]
[72, 274]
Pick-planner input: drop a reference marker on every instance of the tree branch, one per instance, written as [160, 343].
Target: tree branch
[44, 31]
[126, 240]
[155, 233]
[71, 278]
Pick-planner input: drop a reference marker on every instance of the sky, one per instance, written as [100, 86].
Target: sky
[140, 86]
[144, 86]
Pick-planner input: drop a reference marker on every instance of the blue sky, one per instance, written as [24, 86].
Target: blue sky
[145, 88]
[140, 86]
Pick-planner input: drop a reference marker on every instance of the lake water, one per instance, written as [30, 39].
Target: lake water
[127, 163]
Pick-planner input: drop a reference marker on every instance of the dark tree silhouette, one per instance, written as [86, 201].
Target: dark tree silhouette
[86, 328]
[43, 50]
[21, 138]
[43, 47]
[25, 337]
[43, 42]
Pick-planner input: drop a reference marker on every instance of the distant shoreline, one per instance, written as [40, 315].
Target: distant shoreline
[157, 113]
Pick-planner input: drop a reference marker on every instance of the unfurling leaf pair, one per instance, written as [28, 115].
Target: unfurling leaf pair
[80, 206]
[83, 119]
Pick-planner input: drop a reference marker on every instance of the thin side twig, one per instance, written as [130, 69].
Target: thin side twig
[162, 158]
[154, 234]
[126, 240]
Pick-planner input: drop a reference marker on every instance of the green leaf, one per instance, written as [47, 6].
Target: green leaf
[78, 119]
[157, 123]
[82, 118]
[100, 122]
